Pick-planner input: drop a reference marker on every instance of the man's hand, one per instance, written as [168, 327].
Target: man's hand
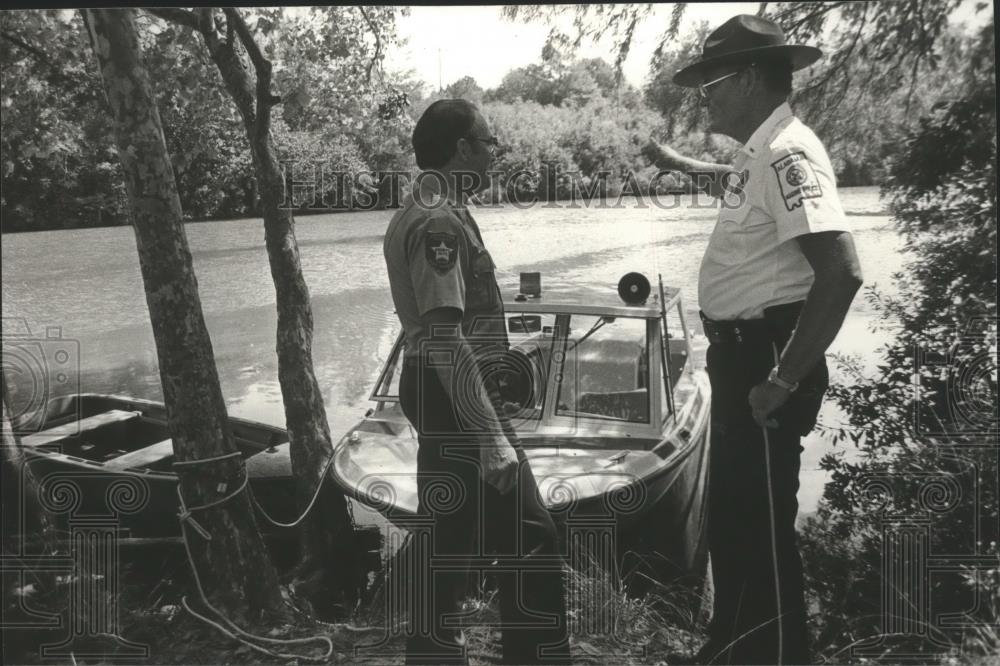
[500, 464]
[764, 399]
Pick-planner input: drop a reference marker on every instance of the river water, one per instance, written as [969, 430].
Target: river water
[87, 284]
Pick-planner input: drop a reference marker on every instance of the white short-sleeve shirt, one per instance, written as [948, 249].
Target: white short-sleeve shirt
[787, 189]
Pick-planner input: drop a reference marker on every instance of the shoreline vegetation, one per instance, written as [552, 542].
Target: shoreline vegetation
[60, 168]
[611, 201]
[920, 118]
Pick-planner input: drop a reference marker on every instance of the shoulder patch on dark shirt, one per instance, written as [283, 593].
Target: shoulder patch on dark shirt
[796, 179]
[441, 250]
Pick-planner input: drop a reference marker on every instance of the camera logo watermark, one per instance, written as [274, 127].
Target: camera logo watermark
[37, 368]
[956, 385]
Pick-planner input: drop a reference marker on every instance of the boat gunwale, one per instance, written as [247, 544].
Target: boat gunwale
[95, 466]
[671, 462]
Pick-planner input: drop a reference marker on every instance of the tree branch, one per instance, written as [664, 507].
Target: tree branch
[34, 50]
[206, 23]
[230, 32]
[235, 20]
[56, 75]
[265, 100]
[378, 43]
[177, 15]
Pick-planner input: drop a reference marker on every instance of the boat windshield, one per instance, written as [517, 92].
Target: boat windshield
[520, 373]
[605, 370]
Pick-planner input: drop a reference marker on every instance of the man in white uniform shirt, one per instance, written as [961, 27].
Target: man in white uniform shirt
[777, 279]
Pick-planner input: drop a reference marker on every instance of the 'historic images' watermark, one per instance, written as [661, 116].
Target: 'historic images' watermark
[314, 188]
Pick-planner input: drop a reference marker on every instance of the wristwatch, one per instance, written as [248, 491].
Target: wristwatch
[778, 381]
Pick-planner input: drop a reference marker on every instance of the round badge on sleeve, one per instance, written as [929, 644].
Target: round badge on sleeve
[441, 250]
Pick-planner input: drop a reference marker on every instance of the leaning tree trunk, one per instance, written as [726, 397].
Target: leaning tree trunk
[234, 566]
[330, 561]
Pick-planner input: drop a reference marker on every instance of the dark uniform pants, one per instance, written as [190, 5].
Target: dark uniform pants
[469, 520]
[759, 614]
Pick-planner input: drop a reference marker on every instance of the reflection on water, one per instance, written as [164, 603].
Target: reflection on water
[88, 283]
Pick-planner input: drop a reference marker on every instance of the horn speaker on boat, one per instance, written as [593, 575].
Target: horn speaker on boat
[633, 288]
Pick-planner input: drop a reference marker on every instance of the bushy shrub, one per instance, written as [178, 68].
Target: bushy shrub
[904, 545]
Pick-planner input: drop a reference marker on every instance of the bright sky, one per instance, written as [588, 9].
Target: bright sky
[476, 41]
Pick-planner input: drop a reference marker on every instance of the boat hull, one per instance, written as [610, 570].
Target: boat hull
[80, 477]
[599, 491]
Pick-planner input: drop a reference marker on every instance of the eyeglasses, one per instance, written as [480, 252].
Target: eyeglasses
[492, 142]
[703, 88]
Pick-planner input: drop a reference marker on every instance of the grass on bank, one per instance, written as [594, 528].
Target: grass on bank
[608, 626]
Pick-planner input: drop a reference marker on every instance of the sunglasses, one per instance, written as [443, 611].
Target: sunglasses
[492, 142]
[703, 88]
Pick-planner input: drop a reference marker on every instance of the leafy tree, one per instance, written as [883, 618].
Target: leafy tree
[886, 64]
[929, 455]
[243, 582]
[533, 83]
[596, 22]
[927, 460]
[585, 140]
[558, 83]
[59, 165]
[464, 88]
[680, 107]
[603, 75]
[328, 554]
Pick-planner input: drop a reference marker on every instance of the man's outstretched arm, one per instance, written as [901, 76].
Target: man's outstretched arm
[666, 157]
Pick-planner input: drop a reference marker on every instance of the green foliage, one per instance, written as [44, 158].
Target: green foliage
[59, 167]
[592, 22]
[338, 105]
[885, 64]
[681, 107]
[577, 82]
[926, 457]
[577, 142]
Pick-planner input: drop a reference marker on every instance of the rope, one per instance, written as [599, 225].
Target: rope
[201, 461]
[774, 538]
[186, 518]
[294, 523]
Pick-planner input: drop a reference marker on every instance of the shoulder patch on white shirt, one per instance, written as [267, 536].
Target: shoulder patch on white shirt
[796, 179]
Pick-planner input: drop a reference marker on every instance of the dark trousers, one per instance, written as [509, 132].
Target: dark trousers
[759, 614]
[465, 520]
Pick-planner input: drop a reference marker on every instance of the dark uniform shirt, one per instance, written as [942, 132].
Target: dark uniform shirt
[436, 258]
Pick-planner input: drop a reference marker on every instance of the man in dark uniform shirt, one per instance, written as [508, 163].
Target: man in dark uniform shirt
[475, 486]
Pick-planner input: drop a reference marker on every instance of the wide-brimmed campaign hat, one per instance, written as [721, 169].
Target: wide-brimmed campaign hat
[745, 39]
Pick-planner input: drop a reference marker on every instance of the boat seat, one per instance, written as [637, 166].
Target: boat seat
[630, 406]
[74, 428]
[143, 457]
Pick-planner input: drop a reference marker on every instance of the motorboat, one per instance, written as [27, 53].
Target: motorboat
[610, 404]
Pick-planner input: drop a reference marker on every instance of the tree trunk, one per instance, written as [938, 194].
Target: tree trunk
[234, 566]
[330, 560]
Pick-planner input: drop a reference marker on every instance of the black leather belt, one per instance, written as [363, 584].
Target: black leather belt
[735, 331]
[776, 326]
